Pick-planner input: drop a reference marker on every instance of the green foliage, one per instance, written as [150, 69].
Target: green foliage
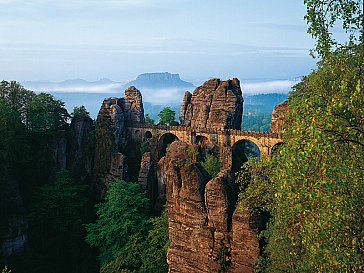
[56, 232]
[11, 129]
[47, 113]
[80, 113]
[313, 186]
[144, 147]
[127, 239]
[154, 256]
[322, 16]
[258, 122]
[120, 227]
[256, 189]
[148, 119]
[17, 98]
[5, 270]
[192, 153]
[223, 258]
[211, 164]
[167, 116]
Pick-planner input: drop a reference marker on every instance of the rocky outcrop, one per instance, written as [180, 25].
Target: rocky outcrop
[132, 106]
[80, 148]
[216, 105]
[278, 117]
[160, 81]
[207, 233]
[148, 180]
[13, 222]
[111, 134]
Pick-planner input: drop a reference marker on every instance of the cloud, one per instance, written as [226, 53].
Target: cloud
[262, 87]
[79, 88]
[163, 96]
[82, 4]
[165, 46]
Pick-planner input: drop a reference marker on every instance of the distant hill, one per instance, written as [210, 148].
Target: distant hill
[158, 90]
[75, 85]
[262, 103]
[159, 80]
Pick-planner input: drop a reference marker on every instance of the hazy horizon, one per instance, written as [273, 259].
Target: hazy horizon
[55, 41]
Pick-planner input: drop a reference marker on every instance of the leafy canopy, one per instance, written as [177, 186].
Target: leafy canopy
[322, 16]
[211, 164]
[128, 240]
[80, 112]
[167, 116]
[121, 225]
[313, 186]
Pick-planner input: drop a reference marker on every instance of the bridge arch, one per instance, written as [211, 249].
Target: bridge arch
[242, 150]
[202, 140]
[164, 141]
[276, 147]
[148, 134]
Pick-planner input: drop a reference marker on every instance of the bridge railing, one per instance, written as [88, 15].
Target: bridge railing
[197, 130]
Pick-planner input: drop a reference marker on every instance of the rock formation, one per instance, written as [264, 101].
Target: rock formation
[207, 233]
[147, 178]
[80, 148]
[278, 117]
[111, 131]
[159, 81]
[13, 222]
[215, 105]
[132, 106]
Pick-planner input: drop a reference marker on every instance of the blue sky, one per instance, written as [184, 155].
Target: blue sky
[92, 39]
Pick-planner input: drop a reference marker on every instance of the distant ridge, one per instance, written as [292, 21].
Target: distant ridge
[159, 80]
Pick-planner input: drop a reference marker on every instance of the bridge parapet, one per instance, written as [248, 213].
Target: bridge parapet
[221, 137]
[207, 130]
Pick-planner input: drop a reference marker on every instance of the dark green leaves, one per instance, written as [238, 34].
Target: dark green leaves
[167, 116]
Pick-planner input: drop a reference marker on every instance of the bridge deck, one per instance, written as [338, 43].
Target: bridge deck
[231, 132]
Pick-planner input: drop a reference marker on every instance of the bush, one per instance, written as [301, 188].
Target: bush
[211, 164]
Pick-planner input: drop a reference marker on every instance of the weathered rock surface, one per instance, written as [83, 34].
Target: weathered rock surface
[278, 117]
[14, 224]
[80, 148]
[205, 235]
[244, 243]
[147, 176]
[111, 134]
[216, 105]
[132, 106]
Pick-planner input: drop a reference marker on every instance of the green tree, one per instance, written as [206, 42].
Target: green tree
[121, 227]
[56, 232]
[167, 116]
[154, 256]
[5, 270]
[47, 113]
[313, 186]
[148, 119]
[80, 112]
[17, 98]
[211, 164]
[322, 16]
[11, 130]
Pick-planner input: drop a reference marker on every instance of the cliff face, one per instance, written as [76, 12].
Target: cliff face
[216, 105]
[13, 223]
[207, 233]
[80, 148]
[160, 80]
[278, 117]
[111, 133]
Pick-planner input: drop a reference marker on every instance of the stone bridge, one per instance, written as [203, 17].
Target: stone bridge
[225, 139]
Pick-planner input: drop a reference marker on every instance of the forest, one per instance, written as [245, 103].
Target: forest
[311, 189]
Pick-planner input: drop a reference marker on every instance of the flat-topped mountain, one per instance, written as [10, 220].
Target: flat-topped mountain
[159, 80]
